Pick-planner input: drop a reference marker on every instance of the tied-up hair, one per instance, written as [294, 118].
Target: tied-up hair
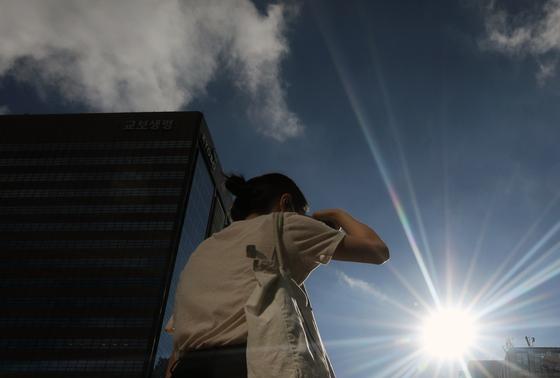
[259, 194]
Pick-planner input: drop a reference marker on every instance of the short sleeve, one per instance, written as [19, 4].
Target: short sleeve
[309, 242]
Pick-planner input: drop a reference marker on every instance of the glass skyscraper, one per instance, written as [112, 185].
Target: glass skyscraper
[98, 215]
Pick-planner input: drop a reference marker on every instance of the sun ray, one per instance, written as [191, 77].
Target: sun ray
[386, 357]
[485, 291]
[406, 370]
[408, 286]
[377, 65]
[482, 236]
[551, 323]
[361, 341]
[477, 250]
[530, 253]
[529, 271]
[369, 289]
[398, 325]
[446, 197]
[526, 281]
[364, 322]
[392, 368]
[547, 273]
[515, 308]
[439, 365]
[464, 368]
[486, 351]
[378, 159]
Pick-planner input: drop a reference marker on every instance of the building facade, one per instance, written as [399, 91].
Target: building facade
[98, 215]
[532, 362]
[524, 362]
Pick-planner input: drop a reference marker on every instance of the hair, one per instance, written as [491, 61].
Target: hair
[259, 194]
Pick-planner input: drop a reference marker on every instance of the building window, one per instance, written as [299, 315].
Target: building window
[218, 217]
[192, 234]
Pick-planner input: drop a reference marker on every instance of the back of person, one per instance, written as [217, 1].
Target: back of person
[218, 279]
[215, 285]
[209, 323]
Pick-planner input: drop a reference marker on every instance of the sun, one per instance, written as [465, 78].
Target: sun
[448, 333]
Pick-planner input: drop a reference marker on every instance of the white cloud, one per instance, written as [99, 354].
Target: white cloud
[536, 36]
[355, 283]
[146, 55]
[546, 70]
[4, 109]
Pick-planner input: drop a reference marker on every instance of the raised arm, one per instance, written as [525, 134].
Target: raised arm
[361, 243]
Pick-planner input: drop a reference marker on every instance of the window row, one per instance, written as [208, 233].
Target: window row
[89, 209]
[72, 365]
[91, 226]
[80, 282]
[102, 192]
[76, 322]
[128, 262]
[50, 244]
[92, 176]
[80, 343]
[79, 302]
[96, 145]
[104, 160]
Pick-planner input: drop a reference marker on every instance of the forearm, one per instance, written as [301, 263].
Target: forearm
[361, 244]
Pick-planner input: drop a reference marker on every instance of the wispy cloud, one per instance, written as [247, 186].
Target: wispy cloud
[370, 289]
[364, 286]
[537, 35]
[4, 109]
[146, 55]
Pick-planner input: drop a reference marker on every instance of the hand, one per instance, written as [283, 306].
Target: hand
[331, 217]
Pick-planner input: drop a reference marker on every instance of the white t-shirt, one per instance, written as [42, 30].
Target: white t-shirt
[218, 278]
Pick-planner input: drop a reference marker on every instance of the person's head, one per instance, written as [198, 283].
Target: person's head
[264, 194]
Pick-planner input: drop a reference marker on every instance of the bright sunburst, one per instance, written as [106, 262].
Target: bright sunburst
[448, 333]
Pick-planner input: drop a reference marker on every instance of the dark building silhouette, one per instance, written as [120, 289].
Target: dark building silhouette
[98, 215]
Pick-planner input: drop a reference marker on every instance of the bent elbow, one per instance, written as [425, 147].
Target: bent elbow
[379, 254]
[385, 255]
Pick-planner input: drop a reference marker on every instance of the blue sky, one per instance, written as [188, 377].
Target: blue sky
[436, 123]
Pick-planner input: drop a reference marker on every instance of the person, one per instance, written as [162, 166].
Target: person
[208, 324]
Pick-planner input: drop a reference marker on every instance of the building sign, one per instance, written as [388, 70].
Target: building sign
[149, 124]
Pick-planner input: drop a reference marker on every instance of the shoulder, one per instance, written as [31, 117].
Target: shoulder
[309, 243]
[241, 227]
[297, 222]
[295, 218]
[304, 230]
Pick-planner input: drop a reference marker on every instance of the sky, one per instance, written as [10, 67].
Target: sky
[434, 122]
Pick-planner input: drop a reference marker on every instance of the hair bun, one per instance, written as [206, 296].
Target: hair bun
[237, 185]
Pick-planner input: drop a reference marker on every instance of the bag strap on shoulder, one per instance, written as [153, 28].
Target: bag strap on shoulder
[278, 220]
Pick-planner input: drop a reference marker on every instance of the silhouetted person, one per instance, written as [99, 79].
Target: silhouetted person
[215, 304]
